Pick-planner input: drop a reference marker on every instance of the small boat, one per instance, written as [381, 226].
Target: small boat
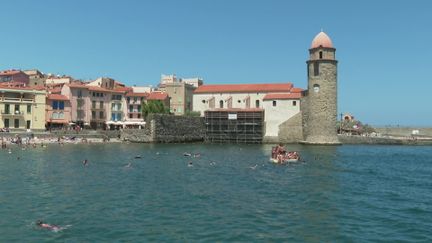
[284, 157]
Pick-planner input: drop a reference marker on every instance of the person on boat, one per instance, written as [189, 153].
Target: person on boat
[47, 226]
[280, 152]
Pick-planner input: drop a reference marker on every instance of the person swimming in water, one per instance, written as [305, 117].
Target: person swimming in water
[48, 226]
[190, 164]
[85, 162]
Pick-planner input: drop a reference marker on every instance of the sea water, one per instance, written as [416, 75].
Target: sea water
[224, 193]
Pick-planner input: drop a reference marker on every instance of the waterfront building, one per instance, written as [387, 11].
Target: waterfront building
[278, 101]
[180, 93]
[79, 98]
[58, 111]
[55, 80]
[14, 76]
[36, 78]
[134, 102]
[22, 108]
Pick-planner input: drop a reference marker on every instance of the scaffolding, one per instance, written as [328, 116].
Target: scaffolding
[234, 126]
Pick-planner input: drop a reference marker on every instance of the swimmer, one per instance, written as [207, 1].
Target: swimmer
[253, 167]
[85, 162]
[10, 151]
[190, 164]
[187, 154]
[18, 158]
[128, 165]
[138, 157]
[48, 226]
[212, 163]
[197, 155]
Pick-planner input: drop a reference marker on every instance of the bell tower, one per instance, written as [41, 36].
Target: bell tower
[320, 113]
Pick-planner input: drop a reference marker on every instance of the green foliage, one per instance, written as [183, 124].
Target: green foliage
[154, 106]
[192, 113]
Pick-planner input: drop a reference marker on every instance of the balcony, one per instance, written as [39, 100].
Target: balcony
[12, 113]
[12, 99]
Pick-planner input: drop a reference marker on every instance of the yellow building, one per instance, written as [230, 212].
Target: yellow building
[22, 108]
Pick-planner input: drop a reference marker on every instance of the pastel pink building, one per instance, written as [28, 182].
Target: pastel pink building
[58, 110]
[14, 76]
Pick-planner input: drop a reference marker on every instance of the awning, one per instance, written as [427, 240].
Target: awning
[134, 123]
[59, 121]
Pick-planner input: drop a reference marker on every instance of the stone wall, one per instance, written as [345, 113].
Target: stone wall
[404, 131]
[382, 140]
[291, 131]
[174, 129]
[167, 129]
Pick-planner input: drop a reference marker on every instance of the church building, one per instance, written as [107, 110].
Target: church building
[276, 112]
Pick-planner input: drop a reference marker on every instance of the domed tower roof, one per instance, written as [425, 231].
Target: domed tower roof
[322, 40]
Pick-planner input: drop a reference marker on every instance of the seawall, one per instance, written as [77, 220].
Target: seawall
[167, 129]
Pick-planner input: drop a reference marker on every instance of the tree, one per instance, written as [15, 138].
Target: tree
[154, 106]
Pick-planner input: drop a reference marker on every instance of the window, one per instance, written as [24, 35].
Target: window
[128, 99]
[6, 123]
[316, 69]
[135, 99]
[139, 115]
[130, 108]
[61, 105]
[113, 117]
[294, 103]
[7, 109]
[101, 115]
[28, 124]
[238, 101]
[316, 88]
[257, 104]
[139, 108]
[94, 114]
[16, 123]
[221, 104]
[320, 55]
[55, 104]
[79, 93]
[130, 115]
[94, 94]
[94, 104]
[101, 105]
[17, 109]
[28, 108]
[203, 101]
[274, 102]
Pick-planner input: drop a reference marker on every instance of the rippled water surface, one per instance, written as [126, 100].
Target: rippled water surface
[340, 194]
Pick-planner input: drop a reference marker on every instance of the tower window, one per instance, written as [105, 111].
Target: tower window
[316, 69]
[294, 103]
[320, 55]
[221, 104]
[257, 104]
[316, 88]
[274, 102]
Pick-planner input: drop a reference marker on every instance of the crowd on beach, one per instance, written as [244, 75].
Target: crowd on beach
[33, 141]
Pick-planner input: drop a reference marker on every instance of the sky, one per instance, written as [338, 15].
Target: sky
[382, 46]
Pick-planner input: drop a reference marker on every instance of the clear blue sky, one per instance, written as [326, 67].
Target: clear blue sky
[382, 46]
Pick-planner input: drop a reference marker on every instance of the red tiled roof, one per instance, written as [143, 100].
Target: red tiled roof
[97, 88]
[132, 94]
[244, 88]
[296, 90]
[122, 89]
[57, 97]
[9, 72]
[237, 109]
[286, 96]
[157, 96]
[22, 88]
[83, 86]
[55, 90]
